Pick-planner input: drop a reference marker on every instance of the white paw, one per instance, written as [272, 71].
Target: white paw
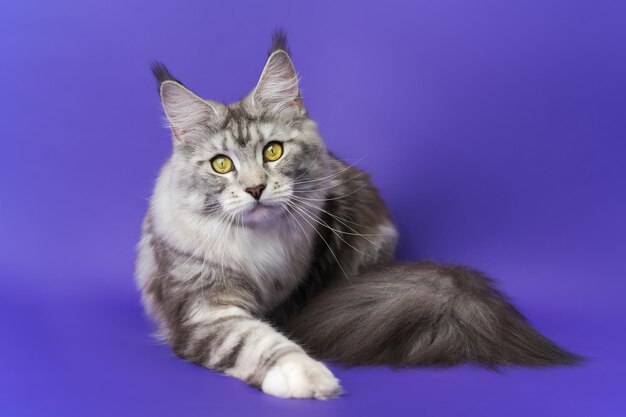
[298, 376]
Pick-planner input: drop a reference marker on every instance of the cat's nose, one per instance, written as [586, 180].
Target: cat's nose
[256, 191]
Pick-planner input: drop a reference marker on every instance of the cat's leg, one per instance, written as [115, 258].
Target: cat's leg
[230, 340]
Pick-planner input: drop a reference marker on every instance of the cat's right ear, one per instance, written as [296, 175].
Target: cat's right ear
[184, 110]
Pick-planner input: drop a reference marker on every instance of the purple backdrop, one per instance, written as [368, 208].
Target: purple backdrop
[496, 130]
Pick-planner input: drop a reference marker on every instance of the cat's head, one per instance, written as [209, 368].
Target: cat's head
[246, 161]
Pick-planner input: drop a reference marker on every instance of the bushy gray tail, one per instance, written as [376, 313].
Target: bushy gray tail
[421, 314]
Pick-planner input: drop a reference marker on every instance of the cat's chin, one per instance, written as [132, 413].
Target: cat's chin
[260, 213]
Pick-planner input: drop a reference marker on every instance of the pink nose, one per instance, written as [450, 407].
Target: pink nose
[256, 191]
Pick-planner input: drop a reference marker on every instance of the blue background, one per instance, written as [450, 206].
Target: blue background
[496, 131]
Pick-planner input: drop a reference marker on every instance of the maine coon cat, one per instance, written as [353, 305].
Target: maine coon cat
[262, 253]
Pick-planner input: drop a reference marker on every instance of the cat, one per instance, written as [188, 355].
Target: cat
[262, 253]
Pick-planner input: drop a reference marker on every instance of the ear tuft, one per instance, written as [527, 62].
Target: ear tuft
[279, 42]
[161, 74]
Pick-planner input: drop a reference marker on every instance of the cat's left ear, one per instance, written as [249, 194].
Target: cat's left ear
[185, 111]
[277, 90]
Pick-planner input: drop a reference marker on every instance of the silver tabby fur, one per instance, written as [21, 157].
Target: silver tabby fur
[257, 289]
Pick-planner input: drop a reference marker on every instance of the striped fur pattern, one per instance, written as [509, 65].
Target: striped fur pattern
[243, 286]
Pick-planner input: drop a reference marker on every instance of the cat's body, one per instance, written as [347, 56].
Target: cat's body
[301, 245]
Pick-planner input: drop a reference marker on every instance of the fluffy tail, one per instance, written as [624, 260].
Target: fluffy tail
[421, 314]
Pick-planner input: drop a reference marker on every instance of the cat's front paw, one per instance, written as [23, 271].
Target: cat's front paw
[298, 376]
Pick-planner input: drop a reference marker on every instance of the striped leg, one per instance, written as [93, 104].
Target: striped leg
[230, 340]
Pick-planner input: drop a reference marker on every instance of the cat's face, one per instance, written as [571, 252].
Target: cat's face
[250, 162]
[252, 170]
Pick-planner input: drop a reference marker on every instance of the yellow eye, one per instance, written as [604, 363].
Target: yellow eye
[222, 164]
[273, 151]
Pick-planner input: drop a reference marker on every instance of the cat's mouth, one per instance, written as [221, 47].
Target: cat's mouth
[260, 211]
